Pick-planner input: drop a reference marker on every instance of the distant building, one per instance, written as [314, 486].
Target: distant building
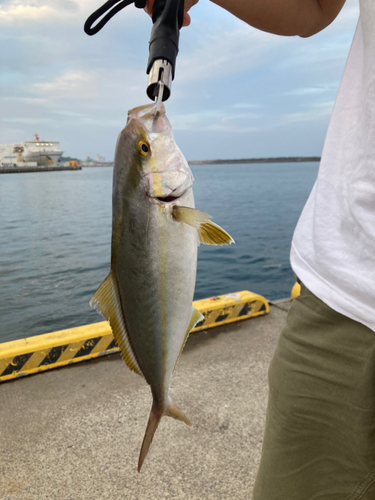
[100, 159]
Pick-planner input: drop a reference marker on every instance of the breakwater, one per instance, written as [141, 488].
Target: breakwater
[22, 170]
[292, 159]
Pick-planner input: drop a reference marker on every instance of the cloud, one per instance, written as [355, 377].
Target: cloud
[348, 14]
[26, 100]
[242, 116]
[73, 114]
[226, 51]
[316, 90]
[245, 105]
[15, 12]
[215, 120]
[29, 121]
[10, 135]
[73, 85]
[228, 46]
[38, 10]
[317, 111]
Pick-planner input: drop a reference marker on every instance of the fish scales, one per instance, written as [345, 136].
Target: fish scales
[147, 296]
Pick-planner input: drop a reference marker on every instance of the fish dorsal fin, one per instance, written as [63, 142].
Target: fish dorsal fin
[106, 300]
[209, 233]
[195, 318]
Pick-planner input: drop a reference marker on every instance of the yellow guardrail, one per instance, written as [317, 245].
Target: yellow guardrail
[229, 308]
[296, 290]
[23, 357]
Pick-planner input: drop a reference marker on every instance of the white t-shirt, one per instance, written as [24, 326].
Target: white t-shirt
[333, 248]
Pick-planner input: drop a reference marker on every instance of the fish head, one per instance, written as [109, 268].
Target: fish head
[164, 172]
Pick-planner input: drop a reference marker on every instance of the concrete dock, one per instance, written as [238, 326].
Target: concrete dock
[75, 433]
[24, 170]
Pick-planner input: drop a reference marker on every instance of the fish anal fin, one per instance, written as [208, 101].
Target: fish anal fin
[195, 318]
[106, 300]
[209, 233]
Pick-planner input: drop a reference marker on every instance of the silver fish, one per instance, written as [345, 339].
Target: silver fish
[147, 296]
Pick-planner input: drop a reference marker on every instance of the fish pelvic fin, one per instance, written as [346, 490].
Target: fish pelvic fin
[106, 301]
[209, 233]
[153, 421]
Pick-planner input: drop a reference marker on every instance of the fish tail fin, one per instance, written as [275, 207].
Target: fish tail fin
[153, 421]
[152, 425]
[175, 412]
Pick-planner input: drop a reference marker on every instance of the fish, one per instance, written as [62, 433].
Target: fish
[148, 293]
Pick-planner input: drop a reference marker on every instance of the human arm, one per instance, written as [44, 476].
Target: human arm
[281, 17]
[285, 17]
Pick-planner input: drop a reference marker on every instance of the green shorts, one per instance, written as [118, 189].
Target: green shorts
[319, 441]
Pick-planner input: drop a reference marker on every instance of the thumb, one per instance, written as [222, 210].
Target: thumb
[149, 6]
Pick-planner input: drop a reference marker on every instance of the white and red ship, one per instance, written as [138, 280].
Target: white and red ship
[39, 152]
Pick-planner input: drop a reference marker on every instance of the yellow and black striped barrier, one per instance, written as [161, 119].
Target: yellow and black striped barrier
[296, 290]
[229, 308]
[23, 357]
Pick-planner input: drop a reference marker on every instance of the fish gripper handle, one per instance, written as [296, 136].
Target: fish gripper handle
[167, 16]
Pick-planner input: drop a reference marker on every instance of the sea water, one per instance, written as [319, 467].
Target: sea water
[55, 232]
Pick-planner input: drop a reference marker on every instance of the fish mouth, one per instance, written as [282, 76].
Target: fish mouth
[167, 199]
[167, 187]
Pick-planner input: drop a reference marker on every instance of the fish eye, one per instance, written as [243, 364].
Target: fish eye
[143, 148]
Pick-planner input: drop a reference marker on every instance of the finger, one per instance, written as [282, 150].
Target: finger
[187, 20]
[149, 7]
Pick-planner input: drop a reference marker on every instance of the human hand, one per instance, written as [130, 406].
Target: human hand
[188, 4]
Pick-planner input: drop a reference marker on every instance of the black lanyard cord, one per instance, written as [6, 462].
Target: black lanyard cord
[110, 6]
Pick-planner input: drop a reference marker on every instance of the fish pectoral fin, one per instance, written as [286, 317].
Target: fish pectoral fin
[209, 233]
[153, 421]
[212, 234]
[106, 300]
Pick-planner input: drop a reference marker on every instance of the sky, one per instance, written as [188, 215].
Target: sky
[237, 93]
